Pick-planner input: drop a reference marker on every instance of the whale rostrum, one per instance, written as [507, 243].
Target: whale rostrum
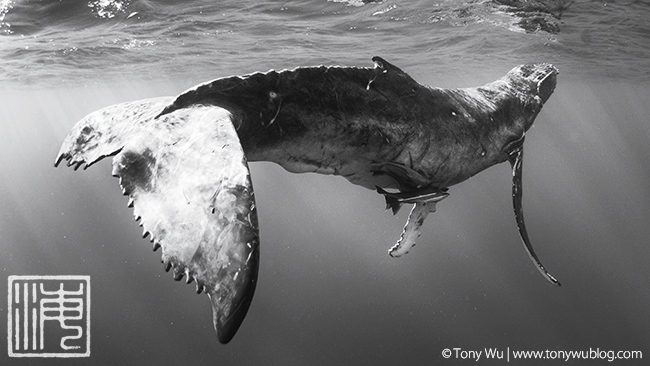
[183, 161]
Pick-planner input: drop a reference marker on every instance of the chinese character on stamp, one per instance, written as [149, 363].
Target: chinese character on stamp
[49, 316]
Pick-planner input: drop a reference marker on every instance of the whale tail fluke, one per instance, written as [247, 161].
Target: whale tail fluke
[188, 181]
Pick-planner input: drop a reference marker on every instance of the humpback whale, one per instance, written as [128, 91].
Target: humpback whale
[183, 161]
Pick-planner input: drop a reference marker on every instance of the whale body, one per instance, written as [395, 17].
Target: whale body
[183, 161]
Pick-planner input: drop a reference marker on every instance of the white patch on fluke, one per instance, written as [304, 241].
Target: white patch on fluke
[188, 182]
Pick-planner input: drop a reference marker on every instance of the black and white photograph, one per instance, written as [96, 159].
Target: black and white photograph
[325, 182]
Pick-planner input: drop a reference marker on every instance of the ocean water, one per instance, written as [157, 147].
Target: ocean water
[328, 292]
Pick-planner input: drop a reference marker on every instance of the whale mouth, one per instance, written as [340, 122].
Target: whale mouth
[546, 85]
[539, 79]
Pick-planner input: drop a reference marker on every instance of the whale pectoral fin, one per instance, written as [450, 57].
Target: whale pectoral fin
[411, 230]
[188, 180]
[425, 202]
[516, 157]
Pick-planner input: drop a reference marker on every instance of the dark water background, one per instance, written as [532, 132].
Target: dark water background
[328, 292]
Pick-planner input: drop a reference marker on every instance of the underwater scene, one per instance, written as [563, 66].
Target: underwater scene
[327, 291]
